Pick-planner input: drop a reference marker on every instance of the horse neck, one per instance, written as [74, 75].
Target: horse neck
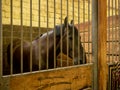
[57, 42]
[51, 41]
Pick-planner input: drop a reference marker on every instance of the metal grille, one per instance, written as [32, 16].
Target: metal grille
[77, 10]
[113, 44]
[113, 31]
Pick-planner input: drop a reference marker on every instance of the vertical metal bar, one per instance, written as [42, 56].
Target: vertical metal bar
[73, 31]
[1, 42]
[67, 36]
[84, 29]
[109, 31]
[31, 36]
[54, 34]
[78, 32]
[39, 25]
[21, 8]
[116, 27]
[112, 34]
[95, 43]
[89, 32]
[11, 21]
[47, 38]
[61, 34]
[1, 48]
[119, 26]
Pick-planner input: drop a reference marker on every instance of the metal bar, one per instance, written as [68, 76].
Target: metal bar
[1, 43]
[47, 64]
[95, 43]
[54, 34]
[21, 8]
[109, 29]
[116, 35]
[89, 31]
[119, 27]
[112, 31]
[114, 26]
[67, 35]
[112, 54]
[88, 52]
[2, 87]
[39, 25]
[73, 31]
[78, 32]
[31, 36]
[118, 2]
[84, 29]
[61, 34]
[113, 41]
[11, 48]
[87, 42]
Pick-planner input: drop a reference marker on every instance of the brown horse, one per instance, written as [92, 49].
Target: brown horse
[47, 50]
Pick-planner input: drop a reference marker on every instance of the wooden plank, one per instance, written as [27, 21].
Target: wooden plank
[102, 36]
[75, 78]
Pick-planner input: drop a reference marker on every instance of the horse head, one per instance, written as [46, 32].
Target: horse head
[71, 43]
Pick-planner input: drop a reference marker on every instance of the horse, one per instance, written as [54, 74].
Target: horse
[46, 49]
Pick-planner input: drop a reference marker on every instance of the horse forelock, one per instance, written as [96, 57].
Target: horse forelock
[58, 29]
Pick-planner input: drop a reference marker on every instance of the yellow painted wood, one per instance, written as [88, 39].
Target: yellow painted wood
[63, 79]
[102, 37]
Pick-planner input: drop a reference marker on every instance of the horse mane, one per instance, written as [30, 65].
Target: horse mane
[38, 36]
[16, 44]
[58, 29]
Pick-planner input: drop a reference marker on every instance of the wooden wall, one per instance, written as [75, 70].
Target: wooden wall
[74, 78]
[43, 12]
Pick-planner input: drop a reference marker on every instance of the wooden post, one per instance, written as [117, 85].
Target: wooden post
[99, 37]
[102, 37]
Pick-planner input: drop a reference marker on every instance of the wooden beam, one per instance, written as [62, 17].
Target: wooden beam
[102, 37]
[74, 78]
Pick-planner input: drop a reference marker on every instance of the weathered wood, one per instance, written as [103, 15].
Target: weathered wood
[102, 36]
[75, 78]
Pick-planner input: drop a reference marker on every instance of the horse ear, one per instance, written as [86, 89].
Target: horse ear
[72, 22]
[66, 21]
